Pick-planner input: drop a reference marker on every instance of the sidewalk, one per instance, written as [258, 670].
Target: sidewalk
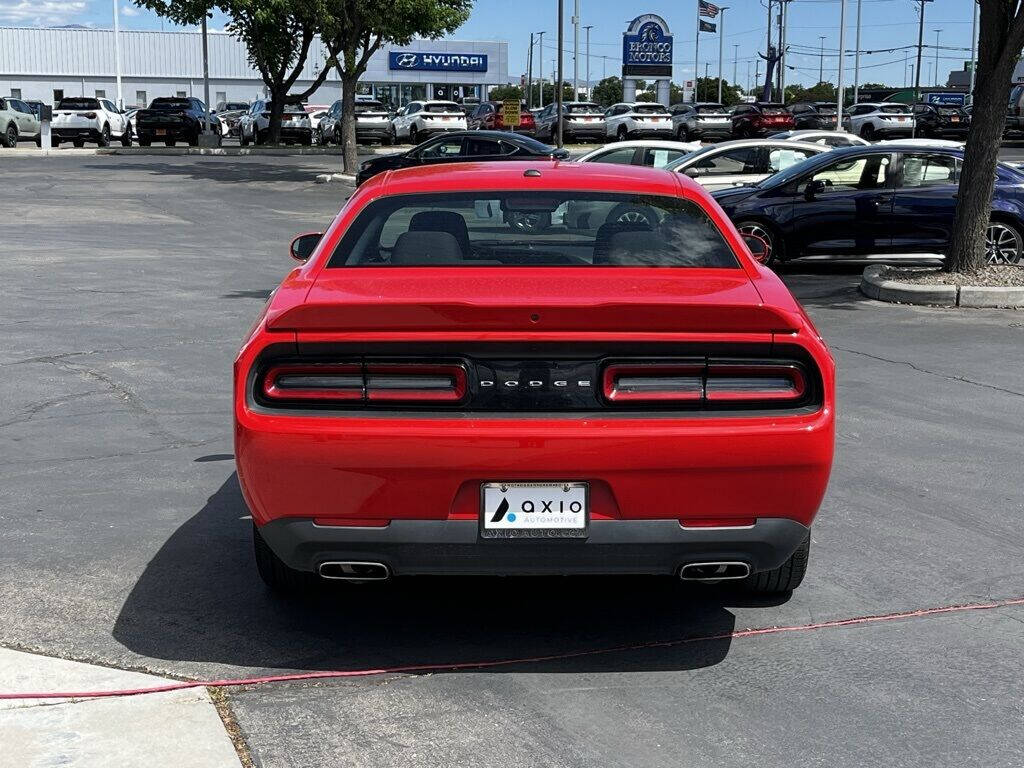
[174, 728]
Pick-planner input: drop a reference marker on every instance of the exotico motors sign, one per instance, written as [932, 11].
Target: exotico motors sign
[437, 62]
[647, 47]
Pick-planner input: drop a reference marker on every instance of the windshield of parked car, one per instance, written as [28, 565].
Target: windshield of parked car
[826, 109]
[774, 109]
[170, 104]
[711, 109]
[234, 106]
[78, 104]
[650, 109]
[289, 109]
[369, 106]
[442, 106]
[894, 109]
[949, 110]
[533, 229]
[583, 109]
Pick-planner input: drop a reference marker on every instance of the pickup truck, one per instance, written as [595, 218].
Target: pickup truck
[173, 119]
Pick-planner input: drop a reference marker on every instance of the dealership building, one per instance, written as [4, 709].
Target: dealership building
[47, 64]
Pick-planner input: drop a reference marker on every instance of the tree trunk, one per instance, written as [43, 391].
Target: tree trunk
[998, 49]
[348, 122]
[277, 96]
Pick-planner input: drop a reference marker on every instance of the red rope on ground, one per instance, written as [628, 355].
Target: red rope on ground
[419, 668]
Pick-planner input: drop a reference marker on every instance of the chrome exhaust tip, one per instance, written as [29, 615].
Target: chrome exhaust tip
[717, 571]
[353, 570]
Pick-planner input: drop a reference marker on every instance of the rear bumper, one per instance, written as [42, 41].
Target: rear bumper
[68, 133]
[375, 133]
[454, 547]
[161, 132]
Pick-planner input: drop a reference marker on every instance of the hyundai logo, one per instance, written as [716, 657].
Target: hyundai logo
[406, 60]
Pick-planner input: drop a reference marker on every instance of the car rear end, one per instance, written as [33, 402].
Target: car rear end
[771, 118]
[167, 120]
[893, 121]
[712, 121]
[650, 120]
[296, 126]
[373, 122]
[76, 120]
[823, 118]
[952, 122]
[441, 117]
[600, 402]
[583, 122]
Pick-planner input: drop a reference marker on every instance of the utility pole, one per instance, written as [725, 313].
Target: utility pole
[783, 6]
[842, 43]
[821, 60]
[974, 48]
[920, 44]
[735, 59]
[856, 60]
[540, 65]
[589, 87]
[937, 83]
[206, 81]
[576, 51]
[558, 83]
[529, 76]
[721, 40]
[117, 57]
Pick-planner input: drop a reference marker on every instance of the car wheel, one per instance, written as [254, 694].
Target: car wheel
[78, 143]
[621, 134]
[259, 137]
[529, 223]
[1003, 243]
[274, 572]
[683, 134]
[126, 137]
[169, 142]
[632, 214]
[144, 142]
[772, 240]
[11, 136]
[243, 139]
[389, 138]
[193, 140]
[414, 135]
[104, 140]
[867, 132]
[783, 579]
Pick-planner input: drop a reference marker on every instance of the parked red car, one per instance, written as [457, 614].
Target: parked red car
[760, 119]
[488, 116]
[437, 391]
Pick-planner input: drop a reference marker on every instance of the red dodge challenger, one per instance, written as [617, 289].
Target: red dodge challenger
[532, 368]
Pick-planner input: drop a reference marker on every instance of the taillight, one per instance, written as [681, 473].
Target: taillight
[370, 382]
[89, 115]
[708, 383]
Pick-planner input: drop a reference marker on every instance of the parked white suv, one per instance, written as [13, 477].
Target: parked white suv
[419, 119]
[879, 121]
[79, 119]
[642, 118]
[254, 125]
[17, 122]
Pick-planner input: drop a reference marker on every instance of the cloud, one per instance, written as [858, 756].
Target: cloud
[40, 13]
[129, 10]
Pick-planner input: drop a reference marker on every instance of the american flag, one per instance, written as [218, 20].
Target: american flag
[704, 8]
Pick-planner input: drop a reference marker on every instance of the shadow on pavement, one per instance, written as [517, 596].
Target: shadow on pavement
[201, 600]
[231, 171]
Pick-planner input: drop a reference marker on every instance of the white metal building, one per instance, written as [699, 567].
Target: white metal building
[46, 64]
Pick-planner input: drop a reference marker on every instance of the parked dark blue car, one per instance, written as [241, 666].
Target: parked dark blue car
[889, 202]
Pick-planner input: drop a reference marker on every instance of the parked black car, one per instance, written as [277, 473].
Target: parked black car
[941, 121]
[173, 119]
[460, 147]
[882, 202]
[813, 115]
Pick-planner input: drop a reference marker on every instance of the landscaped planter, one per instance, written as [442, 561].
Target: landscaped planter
[877, 283]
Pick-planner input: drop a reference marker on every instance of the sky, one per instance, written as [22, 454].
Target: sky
[885, 24]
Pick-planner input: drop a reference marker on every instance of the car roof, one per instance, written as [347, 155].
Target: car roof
[685, 146]
[553, 175]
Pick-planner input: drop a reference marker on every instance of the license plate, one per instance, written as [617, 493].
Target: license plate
[901, 119]
[534, 510]
[655, 119]
[588, 119]
[446, 119]
[160, 132]
[954, 119]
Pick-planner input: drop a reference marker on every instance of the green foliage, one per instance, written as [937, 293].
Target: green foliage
[505, 92]
[608, 91]
[707, 90]
[549, 93]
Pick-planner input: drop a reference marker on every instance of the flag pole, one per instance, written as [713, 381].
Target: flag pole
[696, 56]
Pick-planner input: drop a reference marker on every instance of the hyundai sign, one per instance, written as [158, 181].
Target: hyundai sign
[647, 47]
[437, 62]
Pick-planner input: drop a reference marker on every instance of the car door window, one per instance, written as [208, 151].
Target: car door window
[657, 157]
[781, 158]
[929, 171]
[623, 156]
[854, 174]
[450, 147]
[734, 161]
[480, 147]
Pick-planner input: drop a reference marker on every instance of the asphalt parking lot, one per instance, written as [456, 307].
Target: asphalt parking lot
[127, 285]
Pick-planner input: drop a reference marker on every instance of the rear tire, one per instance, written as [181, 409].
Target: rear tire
[867, 132]
[126, 137]
[10, 137]
[144, 142]
[414, 135]
[783, 579]
[79, 143]
[104, 140]
[243, 140]
[622, 134]
[776, 245]
[683, 134]
[274, 572]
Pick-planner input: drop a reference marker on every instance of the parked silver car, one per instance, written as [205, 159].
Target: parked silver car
[373, 123]
[581, 121]
[17, 122]
[703, 120]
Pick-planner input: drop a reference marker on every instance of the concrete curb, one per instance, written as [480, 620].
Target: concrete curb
[326, 178]
[875, 286]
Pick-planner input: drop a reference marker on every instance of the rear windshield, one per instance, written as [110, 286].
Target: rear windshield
[443, 106]
[583, 109]
[170, 104]
[532, 229]
[233, 106]
[711, 109]
[773, 109]
[1015, 94]
[895, 109]
[826, 109]
[289, 109]
[650, 109]
[369, 106]
[949, 110]
[78, 104]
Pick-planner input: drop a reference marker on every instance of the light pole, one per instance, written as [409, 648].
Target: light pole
[206, 82]
[821, 60]
[920, 44]
[540, 66]
[589, 89]
[937, 31]
[529, 76]
[856, 60]
[974, 48]
[721, 40]
[558, 81]
[117, 57]
[576, 51]
[839, 79]
[735, 58]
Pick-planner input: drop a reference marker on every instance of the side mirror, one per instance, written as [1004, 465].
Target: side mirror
[560, 154]
[302, 246]
[692, 172]
[759, 248]
[814, 188]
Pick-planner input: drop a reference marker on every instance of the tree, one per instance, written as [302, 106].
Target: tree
[505, 92]
[608, 91]
[1000, 39]
[277, 35]
[358, 28]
